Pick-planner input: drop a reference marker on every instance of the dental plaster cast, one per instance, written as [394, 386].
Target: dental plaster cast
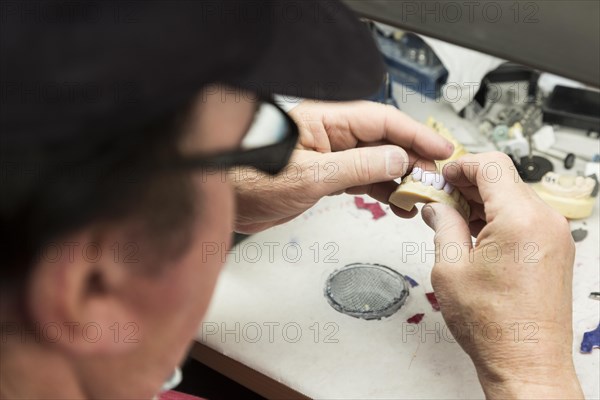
[427, 186]
[569, 195]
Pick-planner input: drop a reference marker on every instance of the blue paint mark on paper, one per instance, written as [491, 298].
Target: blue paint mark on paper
[410, 280]
[590, 340]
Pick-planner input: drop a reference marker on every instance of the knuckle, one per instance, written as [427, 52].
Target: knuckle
[528, 220]
[440, 278]
[562, 222]
[549, 216]
[562, 225]
[494, 158]
[362, 167]
[436, 276]
[500, 157]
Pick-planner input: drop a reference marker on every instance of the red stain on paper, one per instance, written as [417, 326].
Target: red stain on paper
[375, 207]
[415, 319]
[433, 301]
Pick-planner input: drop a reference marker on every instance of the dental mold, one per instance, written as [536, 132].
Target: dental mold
[427, 186]
[569, 195]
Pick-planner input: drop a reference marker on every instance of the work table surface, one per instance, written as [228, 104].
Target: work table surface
[269, 311]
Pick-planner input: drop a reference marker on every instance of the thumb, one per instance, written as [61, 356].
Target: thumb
[452, 235]
[364, 166]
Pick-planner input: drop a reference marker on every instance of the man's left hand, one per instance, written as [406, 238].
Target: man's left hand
[358, 148]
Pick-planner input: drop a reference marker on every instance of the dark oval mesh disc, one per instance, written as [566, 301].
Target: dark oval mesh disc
[367, 291]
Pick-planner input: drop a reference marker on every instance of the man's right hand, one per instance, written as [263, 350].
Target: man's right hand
[507, 299]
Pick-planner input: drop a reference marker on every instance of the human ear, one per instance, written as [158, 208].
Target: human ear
[77, 298]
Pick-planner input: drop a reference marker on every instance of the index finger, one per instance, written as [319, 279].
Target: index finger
[379, 121]
[493, 174]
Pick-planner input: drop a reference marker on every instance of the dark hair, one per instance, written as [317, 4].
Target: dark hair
[104, 180]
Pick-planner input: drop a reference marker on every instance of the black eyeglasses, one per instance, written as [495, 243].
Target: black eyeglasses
[267, 145]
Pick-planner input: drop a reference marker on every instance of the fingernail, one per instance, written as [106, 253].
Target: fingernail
[428, 214]
[395, 163]
[450, 147]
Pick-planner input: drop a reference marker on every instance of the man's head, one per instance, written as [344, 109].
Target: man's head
[128, 292]
[106, 273]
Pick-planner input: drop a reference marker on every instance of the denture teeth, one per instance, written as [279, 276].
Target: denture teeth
[416, 173]
[439, 182]
[448, 188]
[428, 178]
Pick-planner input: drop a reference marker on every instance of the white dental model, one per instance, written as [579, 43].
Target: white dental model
[426, 186]
[569, 195]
